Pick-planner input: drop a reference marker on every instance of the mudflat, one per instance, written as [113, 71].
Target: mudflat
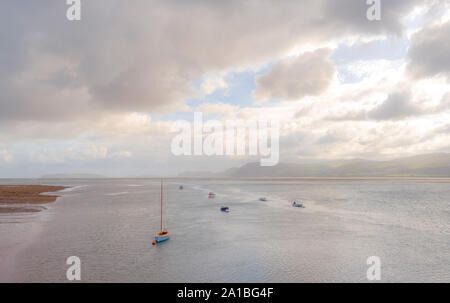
[26, 194]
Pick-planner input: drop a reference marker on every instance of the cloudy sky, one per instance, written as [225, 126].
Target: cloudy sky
[100, 95]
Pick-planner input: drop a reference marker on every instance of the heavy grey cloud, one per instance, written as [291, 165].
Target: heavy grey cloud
[308, 74]
[429, 52]
[396, 106]
[144, 55]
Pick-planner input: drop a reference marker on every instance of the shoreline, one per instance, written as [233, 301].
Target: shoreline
[26, 198]
[254, 178]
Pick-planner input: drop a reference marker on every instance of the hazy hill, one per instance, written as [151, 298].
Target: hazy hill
[431, 165]
[197, 174]
[72, 176]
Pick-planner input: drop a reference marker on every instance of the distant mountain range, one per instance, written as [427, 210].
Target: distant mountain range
[430, 165]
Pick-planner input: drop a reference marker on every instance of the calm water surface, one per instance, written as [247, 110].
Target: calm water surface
[110, 225]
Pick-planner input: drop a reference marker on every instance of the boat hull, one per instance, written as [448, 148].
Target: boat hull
[162, 238]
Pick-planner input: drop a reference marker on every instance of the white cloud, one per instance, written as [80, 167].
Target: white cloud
[221, 109]
[211, 84]
[6, 156]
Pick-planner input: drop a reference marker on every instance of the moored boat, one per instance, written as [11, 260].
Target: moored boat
[211, 195]
[163, 234]
[295, 204]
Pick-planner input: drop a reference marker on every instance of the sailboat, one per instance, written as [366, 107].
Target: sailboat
[163, 234]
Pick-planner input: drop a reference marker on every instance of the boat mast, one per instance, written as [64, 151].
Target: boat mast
[161, 204]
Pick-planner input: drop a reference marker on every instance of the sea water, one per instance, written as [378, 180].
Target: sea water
[110, 223]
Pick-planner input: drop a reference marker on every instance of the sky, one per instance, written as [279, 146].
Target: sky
[100, 95]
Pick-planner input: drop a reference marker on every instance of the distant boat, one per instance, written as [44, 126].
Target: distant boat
[263, 199]
[211, 195]
[225, 209]
[163, 234]
[181, 187]
[295, 204]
